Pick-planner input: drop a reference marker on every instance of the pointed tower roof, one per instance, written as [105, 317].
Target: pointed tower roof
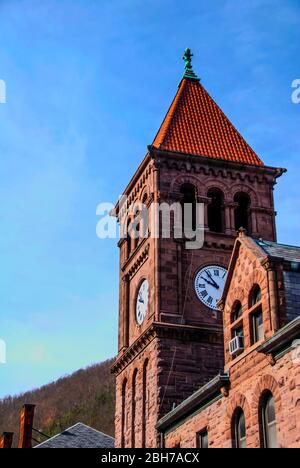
[195, 125]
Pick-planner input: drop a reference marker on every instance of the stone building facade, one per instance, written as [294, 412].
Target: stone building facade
[267, 368]
[173, 348]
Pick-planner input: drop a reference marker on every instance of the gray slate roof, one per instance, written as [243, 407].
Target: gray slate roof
[79, 436]
[287, 252]
[292, 294]
[291, 278]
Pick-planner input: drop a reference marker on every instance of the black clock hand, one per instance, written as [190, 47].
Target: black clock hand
[141, 298]
[214, 285]
[209, 274]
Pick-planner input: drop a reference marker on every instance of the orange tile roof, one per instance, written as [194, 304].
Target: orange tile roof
[196, 125]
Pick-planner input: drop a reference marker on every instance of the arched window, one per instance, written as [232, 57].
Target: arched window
[145, 403]
[237, 311]
[133, 407]
[137, 239]
[129, 240]
[189, 197]
[145, 199]
[124, 413]
[239, 430]
[242, 211]
[215, 211]
[136, 227]
[255, 296]
[145, 220]
[268, 422]
[257, 332]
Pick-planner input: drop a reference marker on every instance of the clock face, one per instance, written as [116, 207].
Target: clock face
[142, 301]
[209, 285]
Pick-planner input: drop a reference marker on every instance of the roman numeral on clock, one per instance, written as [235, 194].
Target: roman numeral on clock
[209, 284]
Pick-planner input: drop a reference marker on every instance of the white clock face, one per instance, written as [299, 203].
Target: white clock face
[209, 285]
[142, 301]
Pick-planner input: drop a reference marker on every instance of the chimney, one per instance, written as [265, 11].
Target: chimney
[6, 440]
[26, 424]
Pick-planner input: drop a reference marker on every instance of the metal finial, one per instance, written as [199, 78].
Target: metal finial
[189, 73]
[187, 57]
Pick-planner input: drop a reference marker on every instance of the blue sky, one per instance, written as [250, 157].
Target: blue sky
[88, 83]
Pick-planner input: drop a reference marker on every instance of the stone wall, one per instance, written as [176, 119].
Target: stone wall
[252, 377]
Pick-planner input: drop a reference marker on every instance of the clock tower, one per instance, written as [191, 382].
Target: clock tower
[170, 330]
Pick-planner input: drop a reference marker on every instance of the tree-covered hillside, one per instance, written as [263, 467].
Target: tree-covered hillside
[87, 396]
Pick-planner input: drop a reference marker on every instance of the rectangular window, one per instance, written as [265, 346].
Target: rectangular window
[238, 332]
[257, 327]
[202, 440]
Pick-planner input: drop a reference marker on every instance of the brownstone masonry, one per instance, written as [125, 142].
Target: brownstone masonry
[266, 369]
[197, 157]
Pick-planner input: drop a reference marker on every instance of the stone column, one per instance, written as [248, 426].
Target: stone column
[126, 306]
[270, 266]
[229, 218]
[206, 201]
[253, 214]
[157, 199]
[274, 300]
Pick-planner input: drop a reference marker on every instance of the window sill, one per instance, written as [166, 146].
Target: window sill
[245, 354]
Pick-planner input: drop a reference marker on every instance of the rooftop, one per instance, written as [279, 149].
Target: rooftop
[286, 252]
[195, 125]
[79, 436]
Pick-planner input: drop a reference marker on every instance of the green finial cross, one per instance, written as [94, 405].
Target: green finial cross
[189, 73]
[187, 57]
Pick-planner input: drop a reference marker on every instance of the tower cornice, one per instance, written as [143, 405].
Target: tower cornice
[203, 160]
[162, 330]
